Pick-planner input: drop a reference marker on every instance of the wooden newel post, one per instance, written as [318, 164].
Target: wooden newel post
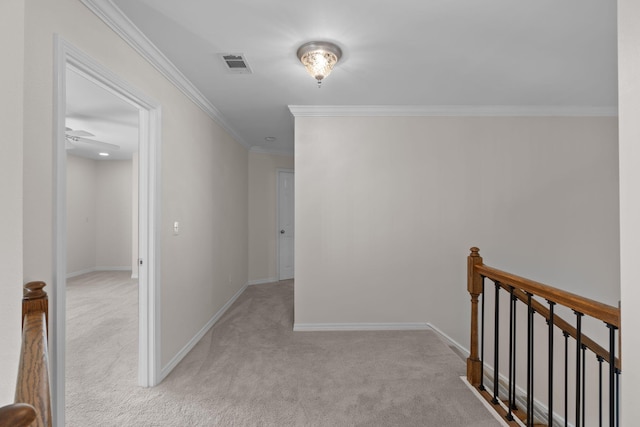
[35, 299]
[32, 386]
[474, 286]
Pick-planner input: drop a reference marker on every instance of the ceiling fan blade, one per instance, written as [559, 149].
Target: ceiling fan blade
[98, 144]
[78, 133]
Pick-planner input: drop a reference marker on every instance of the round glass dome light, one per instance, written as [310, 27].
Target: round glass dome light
[319, 58]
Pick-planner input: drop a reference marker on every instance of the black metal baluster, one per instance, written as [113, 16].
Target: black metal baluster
[578, 368]
[566, 378]
[600, 360]
[511, 354]
[496, 335]
[612, 372]
[551, 318]
[481, 386]
[515, 335]
[617, 397]
[584, 381]
[529, 361]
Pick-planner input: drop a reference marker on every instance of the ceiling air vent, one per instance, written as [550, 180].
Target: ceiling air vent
[236, 63]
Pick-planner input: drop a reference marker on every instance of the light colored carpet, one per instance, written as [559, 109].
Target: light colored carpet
[251, 369]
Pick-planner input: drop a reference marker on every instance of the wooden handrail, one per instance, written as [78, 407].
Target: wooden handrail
[607, 313]
[33, 398]
[532, 294]
[564, 326]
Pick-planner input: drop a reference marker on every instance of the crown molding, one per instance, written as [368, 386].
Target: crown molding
[111, 14]
[450, 110]
[277, 151]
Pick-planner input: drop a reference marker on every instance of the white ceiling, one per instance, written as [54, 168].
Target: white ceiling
[109, 118]
[449, 54]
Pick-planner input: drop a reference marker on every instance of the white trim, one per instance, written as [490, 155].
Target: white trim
[451, 341]
[94, 269]
[300, 327]
[278, 172]
[57, 331]
[262, 281]
[111, 15]
[486, 404]
[149, 217]
[80, 272]
[117, 268]
[540, 410]
[450, 110]
[67, 57]
[197, 337]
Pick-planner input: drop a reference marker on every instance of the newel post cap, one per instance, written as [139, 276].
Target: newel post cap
[34, 290]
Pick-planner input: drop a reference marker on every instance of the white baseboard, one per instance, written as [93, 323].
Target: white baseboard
[80, 272]
[94, 269]
[262, 281]
[540, 409]
[197, 337]
[120, 268]
[300, 327]
[463, 350]
[485, 403]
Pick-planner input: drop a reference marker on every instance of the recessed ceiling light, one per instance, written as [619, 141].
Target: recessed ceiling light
[270, 138]
[104, 154]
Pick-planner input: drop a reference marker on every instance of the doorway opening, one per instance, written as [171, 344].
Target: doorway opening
[101, 139]
[69, 61]
[286, 225]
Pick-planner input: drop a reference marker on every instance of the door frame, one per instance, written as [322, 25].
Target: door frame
[67, 56]
[278, 172]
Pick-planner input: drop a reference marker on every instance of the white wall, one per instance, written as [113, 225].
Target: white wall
[11, 123]
[387, 208]
[629, 111]
[262, 214]
[203, 174]
[99, 212]
[81, 214]
[205, 188]
[113, 214]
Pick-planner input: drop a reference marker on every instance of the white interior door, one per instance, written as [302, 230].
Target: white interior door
[286, 227]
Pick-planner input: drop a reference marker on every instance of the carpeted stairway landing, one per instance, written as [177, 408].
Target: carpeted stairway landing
[251, 369]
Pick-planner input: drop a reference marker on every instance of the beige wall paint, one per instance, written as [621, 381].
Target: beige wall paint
[204, 175]
[205, 188]
[629, 111]
[11, 123]
[113, 214]
[387, 207]
[99, 206]
[81, 214]
[262, 214]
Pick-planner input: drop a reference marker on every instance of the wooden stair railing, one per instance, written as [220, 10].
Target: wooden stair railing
[33, 399]
[526, 291]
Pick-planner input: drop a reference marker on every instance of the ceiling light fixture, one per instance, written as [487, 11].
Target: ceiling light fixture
[104, 154]
[319, 58]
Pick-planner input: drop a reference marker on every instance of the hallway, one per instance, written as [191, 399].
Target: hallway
[251, 369]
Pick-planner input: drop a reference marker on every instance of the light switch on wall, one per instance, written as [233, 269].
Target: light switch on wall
[176, 228]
